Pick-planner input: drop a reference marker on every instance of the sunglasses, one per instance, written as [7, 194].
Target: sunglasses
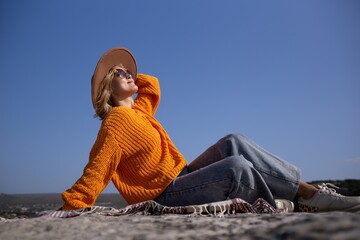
[125, 74]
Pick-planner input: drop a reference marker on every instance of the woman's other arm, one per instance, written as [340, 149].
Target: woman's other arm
[104, 158]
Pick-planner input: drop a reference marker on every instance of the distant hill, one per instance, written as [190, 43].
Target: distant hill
[29, 205]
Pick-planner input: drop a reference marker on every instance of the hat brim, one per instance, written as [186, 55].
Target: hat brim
[111, 58]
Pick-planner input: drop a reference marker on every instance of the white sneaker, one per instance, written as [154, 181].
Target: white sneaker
[284, 204]
[326, 199]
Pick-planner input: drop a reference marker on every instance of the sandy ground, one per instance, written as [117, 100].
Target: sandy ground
[334, 225]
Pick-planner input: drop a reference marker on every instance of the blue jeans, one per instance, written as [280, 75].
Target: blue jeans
[234, 167]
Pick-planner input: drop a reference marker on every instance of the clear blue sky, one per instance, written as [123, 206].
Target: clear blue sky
[284, 73]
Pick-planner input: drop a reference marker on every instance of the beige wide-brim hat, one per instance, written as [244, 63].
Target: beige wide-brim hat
[114, 56]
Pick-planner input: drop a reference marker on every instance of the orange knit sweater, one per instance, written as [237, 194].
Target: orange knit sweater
[132, 150]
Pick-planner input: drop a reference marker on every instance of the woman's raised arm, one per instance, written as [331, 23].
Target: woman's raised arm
[148, 97]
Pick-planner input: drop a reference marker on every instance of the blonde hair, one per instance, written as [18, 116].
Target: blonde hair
[103, 104]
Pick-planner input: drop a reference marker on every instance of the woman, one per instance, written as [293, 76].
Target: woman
[134, 152]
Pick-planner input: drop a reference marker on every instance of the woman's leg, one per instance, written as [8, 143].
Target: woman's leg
[281, 177]
[306, 190]
[232, 177]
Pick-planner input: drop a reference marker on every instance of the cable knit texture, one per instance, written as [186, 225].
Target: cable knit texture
[132, 150]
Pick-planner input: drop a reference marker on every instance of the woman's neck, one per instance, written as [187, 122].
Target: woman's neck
[127, 102]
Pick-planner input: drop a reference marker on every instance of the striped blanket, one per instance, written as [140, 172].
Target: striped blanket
[223, 208]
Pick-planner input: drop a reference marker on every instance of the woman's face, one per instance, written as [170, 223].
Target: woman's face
[123, 85]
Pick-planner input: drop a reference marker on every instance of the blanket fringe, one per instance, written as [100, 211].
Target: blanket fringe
[218, 209]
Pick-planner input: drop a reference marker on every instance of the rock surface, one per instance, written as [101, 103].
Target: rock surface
[332, 225]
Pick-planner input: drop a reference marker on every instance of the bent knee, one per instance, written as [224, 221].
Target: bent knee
[230, 143]
[233, 137]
